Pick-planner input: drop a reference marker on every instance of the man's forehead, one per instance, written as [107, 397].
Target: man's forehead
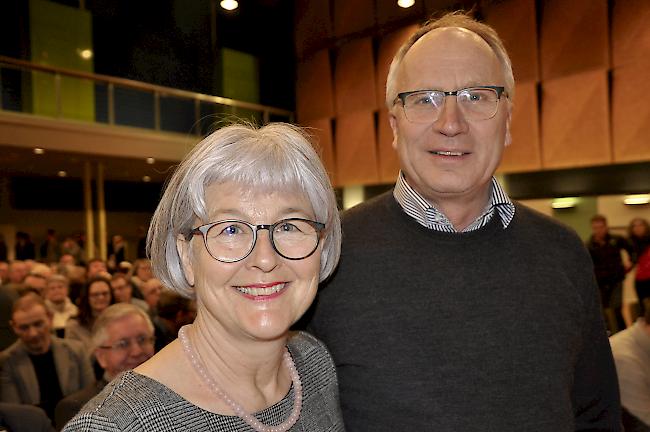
[33, 313]
[126, 326]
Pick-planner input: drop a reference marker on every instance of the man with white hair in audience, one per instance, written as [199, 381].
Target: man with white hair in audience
[123, 336]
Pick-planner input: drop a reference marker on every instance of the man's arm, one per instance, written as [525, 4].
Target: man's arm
[8, 389]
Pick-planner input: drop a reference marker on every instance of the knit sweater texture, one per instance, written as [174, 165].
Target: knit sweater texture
[490, 330]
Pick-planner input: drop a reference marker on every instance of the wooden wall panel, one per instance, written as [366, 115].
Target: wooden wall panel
[524, 153]
[354, 77]
[356, 150]
[574, 37]
[321, 132]
[389, 12]
[516, 24]
[312, 24]
[631, 114]
[388, 161]
[575, 121]
[387, 49]
[630, 32]
[314, 92]
[353, 16]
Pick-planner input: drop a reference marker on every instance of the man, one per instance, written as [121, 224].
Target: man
[151, 290]
[17, 272]
[123, 291]
[39, 369]
[631, 348]
[174, 312]
[454, 309]
[96, 267]
[36, 282]
[605, 250]
[124, 338]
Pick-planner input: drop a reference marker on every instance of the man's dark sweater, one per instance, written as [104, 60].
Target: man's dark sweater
[491, 330]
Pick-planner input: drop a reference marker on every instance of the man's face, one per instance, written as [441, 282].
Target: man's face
[17, 272]
[32, 326]
[451, 157]
[129, 343]
[122, 290]
[95, 268]
[151, 292]
[599, 229]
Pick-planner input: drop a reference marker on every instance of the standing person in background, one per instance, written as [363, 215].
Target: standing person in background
[4, 252]
[639, 235]
[455, 309]
[24, 248]
[605, 249]
[50, 250]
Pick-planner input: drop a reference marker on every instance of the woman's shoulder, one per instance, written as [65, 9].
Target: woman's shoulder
[124, 404]
[310, 354]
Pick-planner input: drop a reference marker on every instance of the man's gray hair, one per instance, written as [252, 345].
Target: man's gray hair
[113, 313]
[454, 19]
[277, 156]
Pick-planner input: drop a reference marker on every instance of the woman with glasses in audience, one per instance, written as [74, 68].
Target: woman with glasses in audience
[248, 226]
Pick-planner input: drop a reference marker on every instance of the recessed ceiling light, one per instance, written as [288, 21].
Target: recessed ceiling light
[638, 199]
[150, 160]
[62, 174]
[39, 150]
[86, 54]
[563, 203]
[146, 179]
[405, 3]
[229, 4]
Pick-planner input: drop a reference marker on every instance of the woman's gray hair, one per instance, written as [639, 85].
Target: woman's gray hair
[454, 19]
[113, 313]
[277, 156]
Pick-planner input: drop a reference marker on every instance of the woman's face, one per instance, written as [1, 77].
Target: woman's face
[99, 296]
[261, 296]
[638, 228]
[56, 291]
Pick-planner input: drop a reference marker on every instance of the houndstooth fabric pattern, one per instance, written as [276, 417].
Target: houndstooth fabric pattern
[134, 402]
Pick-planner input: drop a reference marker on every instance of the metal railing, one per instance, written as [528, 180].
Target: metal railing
[203, 107]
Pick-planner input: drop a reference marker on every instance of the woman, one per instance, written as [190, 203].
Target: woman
[248, 225]
[58, 302]
[639, 235]
[95, 297]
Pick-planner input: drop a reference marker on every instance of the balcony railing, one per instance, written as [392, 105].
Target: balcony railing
[69, 94]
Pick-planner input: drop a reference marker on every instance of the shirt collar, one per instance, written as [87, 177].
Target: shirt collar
[416, 206]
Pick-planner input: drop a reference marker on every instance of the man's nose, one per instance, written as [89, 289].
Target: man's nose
[451, 120]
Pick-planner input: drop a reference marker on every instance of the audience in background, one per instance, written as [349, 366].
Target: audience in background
[140, 273]
[174, 312]
[123, 291]
[58, 303]
[24, 248]
[17, 271]
[50, 249]
[151, 290]
[39, 369]
[4, 272]
[35, 282]
[8, 296]
[605, 250]
[96, 267]
[123, 338]
[639, 235]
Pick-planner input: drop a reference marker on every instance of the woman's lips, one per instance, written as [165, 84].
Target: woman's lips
[262, 291]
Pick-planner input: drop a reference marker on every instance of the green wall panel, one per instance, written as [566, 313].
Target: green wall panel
[58, 34]
[579, 217]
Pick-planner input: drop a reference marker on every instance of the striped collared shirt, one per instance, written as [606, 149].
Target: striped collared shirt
[427, 215]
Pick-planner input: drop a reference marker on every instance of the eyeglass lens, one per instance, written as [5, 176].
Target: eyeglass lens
[232, 240]
[474, 103]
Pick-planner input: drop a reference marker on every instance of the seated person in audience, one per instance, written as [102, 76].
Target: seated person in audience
[8, 296]
[17, 272]
[95, 297]
[123, 336]
[23, 418]
[174, 311]
[140, 273]
[95, 267]
[67, 259]
[40, 369]
[151, 290]
[631, 350]
[123, 291]
[4, 272]
[35, 282]
[58, 303]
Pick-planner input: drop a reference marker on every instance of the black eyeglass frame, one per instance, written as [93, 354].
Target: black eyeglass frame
[202, 230]
[500, 90]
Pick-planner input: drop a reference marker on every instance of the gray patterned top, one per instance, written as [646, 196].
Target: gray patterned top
[134, 402]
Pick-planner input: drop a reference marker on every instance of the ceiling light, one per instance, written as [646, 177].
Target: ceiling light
[563, 203]
[150, 160]
[405, 3]
[229, 4]
[62, 173]
[39, 151]
[146, 179]
[638, 199]
[86, 54]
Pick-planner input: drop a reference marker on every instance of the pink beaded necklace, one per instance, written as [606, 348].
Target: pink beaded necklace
[250, 419]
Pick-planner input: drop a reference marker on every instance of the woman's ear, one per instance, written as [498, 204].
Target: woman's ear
[183, 247]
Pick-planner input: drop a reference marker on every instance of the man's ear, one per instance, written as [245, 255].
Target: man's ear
[393, 126]
[183, 247]
[508, 137]
[100, 355]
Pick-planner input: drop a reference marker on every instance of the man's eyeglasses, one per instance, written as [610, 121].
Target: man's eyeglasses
[476, 103]
[233, 240]
[123, 345]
